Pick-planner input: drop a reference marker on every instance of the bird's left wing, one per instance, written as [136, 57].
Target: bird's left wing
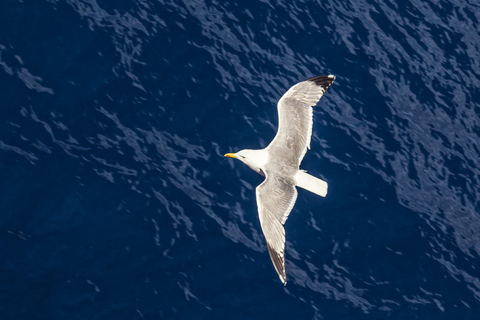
[275, 199]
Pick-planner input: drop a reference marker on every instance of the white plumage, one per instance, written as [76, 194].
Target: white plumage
[279, 163]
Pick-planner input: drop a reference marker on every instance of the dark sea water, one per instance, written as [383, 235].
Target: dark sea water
[117, 203]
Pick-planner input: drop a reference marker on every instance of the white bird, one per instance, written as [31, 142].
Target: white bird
[280, 162]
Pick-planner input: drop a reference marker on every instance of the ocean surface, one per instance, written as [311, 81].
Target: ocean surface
[116, 201]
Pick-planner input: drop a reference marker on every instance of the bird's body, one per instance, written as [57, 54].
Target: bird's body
[279, 163]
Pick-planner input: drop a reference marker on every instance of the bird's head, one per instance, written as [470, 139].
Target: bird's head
[255, 159]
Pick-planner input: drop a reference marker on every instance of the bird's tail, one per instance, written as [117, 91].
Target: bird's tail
[310, 183]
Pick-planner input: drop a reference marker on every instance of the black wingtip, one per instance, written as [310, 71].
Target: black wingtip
[323, 81]
[278, 262]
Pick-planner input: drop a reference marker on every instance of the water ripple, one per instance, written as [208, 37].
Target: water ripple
[136, 102]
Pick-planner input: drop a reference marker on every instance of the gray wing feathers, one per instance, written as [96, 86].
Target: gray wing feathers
[295, 114]
[309, 91]
[277, 194]
[275, 199]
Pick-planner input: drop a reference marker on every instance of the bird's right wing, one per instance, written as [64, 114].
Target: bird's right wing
[295, 114]
[275, 199]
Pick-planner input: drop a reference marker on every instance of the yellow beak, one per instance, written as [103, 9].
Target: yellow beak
[231, 155]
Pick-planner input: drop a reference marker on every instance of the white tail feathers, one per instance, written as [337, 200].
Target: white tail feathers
[310, 183]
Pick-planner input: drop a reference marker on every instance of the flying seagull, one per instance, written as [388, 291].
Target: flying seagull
[279, 163]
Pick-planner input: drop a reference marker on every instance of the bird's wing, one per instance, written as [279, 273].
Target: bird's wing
[295, 114]
[275, 199]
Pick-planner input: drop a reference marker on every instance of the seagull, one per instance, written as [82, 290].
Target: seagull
[280, 162]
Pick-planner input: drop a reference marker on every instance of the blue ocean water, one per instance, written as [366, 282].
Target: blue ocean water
[116, 200]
